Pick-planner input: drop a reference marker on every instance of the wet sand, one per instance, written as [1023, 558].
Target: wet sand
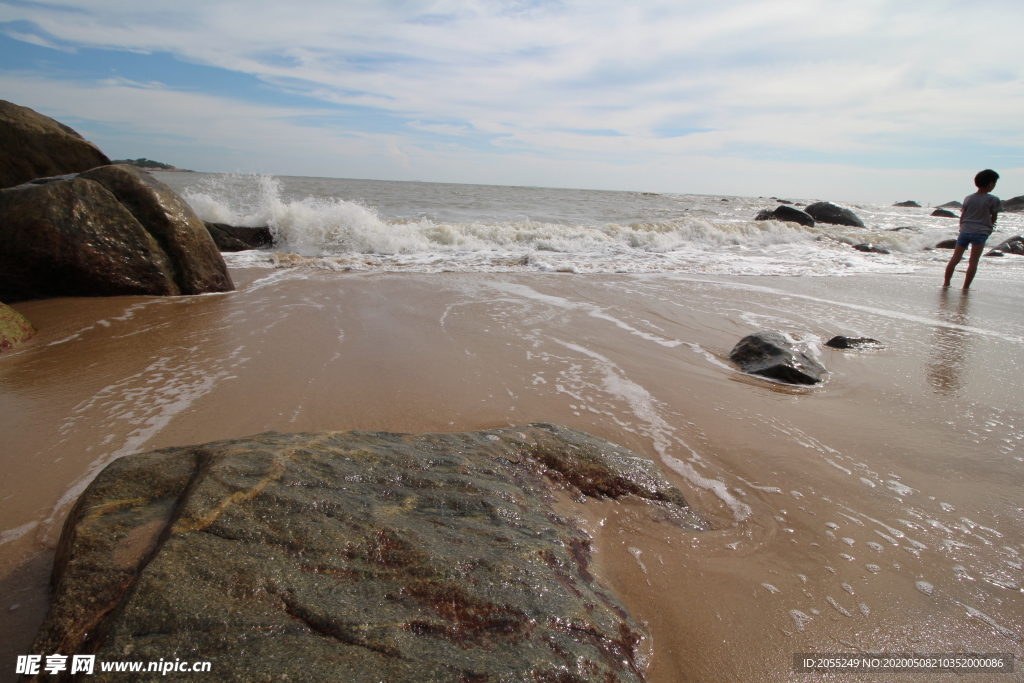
[828, 506]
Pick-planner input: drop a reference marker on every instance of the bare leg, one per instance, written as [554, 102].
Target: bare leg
[972, 263]
[958, 253]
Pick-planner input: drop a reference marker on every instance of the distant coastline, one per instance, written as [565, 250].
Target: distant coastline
[151, 165]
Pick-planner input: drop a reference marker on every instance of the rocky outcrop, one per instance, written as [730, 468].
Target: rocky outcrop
[36, 146]
[943, 213]
[841, 342]
[910, 203]
[769, 354]
[14, 328]
[787, 214]
[1014, 204]
[870, 248]
[109, 231]
[1014, 245]
[356, 556]
[946, 244]
[233, 238]
[824, 212]
[951, 205]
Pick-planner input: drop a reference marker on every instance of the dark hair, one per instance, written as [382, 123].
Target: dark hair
[985, 177]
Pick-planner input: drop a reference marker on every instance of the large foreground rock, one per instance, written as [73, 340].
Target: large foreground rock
[36, 146]
[352, 556]
[824, 212]
[769, 354]
[109, 231]
[14, 328]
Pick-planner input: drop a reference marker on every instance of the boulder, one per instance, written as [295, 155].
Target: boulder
[233, 238]
[769, 354]
[782, 201]
[787, 214]
[824, 212]
[909, 203]
[1014, 245]
[841, 342]
[870, 248]
[946, 244]
[109, 231]
[951, 205]
[943, 213]
[1014, 204]
[36, 146]
[14, 328]
[355, 556]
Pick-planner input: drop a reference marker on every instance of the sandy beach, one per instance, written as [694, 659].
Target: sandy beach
[879, 511]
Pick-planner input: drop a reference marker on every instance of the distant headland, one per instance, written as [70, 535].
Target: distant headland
[150, 164]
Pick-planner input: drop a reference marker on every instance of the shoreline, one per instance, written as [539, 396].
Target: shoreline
[635, 360]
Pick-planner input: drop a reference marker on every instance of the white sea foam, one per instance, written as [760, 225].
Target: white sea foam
[510, 229]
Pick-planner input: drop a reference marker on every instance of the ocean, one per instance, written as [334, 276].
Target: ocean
[879, 511]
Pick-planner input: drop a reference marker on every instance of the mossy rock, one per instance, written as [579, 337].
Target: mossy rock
[14, 328]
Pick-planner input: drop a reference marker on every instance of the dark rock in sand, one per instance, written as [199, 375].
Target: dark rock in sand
[841, 342]
[787, 214]
[910, 203]
[355, 556]
[109, 231]
[769, 354]
[1014, 204]
[870, 248]
[824, 212]
[946, 244]
[951, 205]
[14, 328]
[1014, 245]
[35, 146]
[234, 238]
[943, 213]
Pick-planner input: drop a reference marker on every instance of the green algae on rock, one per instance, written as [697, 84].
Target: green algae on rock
[14, 328]
[356, 556]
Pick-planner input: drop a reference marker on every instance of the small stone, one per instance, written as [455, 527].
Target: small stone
[769, 354]
[841, 342]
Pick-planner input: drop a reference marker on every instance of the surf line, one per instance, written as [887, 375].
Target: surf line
[592, 310]
[909, 317]
[644, 406]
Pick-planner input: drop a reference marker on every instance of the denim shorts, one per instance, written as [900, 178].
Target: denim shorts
[965, 238]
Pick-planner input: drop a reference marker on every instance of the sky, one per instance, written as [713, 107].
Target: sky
[865, 100]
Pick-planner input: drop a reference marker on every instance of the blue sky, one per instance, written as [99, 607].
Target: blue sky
[853, 101]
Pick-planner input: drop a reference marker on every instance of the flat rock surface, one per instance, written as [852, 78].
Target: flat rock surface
[356, 556]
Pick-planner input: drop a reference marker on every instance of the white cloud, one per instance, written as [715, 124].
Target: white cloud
[876, 80]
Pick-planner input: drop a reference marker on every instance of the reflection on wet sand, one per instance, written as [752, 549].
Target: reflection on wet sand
[950, 343]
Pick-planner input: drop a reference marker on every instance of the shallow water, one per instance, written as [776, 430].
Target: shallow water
[879, 511]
